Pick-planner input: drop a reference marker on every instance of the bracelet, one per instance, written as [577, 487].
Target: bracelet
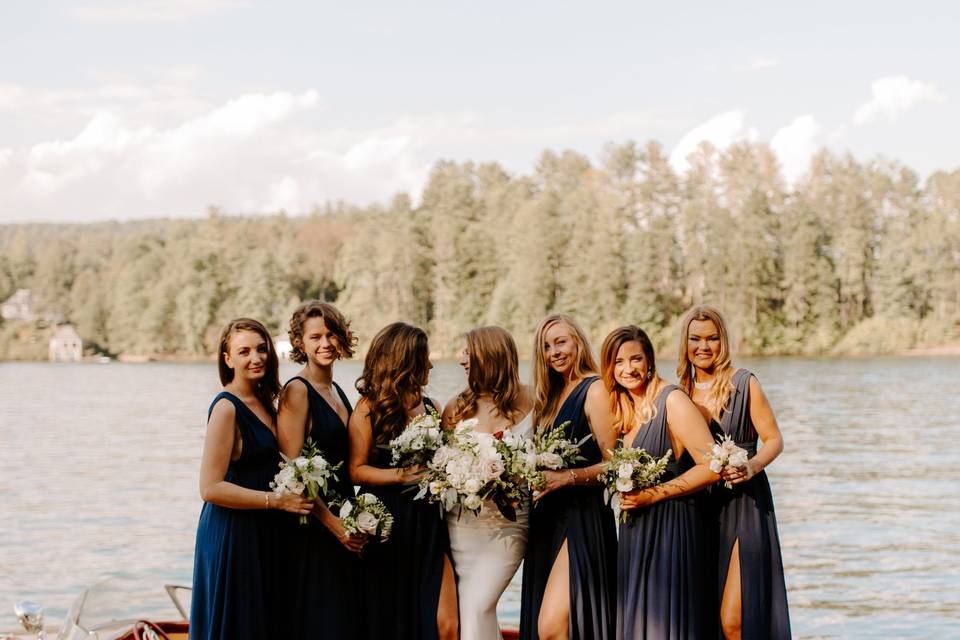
[574, 476]
[266, 499]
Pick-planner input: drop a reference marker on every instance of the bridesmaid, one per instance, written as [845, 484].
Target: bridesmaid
[408, 586]
[659, 591]
[321, 556]
[569, 570]
[487, 548]
[234, 568]
[750, 588]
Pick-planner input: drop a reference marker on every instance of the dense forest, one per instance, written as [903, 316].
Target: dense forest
[854, 258]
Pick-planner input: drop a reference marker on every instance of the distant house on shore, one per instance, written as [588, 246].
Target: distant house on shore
[283, 347]
[19, 306]
[66, 345]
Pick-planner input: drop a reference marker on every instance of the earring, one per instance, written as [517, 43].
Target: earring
[649, 374]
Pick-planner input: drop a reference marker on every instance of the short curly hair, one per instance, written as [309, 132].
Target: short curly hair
[336, 324]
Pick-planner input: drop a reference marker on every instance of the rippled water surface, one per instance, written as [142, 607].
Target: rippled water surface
[98, 477]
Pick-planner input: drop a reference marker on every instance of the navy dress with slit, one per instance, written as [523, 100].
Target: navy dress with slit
[579, 516]
[234, 562]
[322, 591]
[659, 585]
[745, 513]
[401, 578]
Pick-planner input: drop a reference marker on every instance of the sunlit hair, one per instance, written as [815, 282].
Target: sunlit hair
[494, 370]
[395, 371]
[268, 387]
[722, 387]
[626, 412]
[547, 383]
[333, 320]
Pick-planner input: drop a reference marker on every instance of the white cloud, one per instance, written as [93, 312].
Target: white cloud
[721, 130]
[152, 10]
[764, 63]
[794, 144]
[894, 95]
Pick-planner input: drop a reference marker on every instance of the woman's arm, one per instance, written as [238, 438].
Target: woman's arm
[689, 430]
[761, 413]
[597, 409]
[293, 418]
[218, 445]
[361, 443]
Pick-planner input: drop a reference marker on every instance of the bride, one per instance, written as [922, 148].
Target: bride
[487, 549]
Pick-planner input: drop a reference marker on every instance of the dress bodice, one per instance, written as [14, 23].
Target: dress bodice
[654, 437]
[735, 420]
[329, 432]
[259, 454]
[572, 411]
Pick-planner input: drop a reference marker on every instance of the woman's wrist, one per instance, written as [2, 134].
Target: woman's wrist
[266, 500]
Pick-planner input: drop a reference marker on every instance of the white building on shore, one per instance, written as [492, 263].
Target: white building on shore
[66, 345]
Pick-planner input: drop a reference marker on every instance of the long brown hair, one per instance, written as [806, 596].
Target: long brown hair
[395, 371]
[625, 412]
[268, 388]
[494, 369]
[547, 383]
[722, 387]
[333, 320]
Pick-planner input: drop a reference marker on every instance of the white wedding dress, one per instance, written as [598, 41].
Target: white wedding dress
[487, 550]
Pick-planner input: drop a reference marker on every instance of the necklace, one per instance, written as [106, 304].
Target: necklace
[703, 385]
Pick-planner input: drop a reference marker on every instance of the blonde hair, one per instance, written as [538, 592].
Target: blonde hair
[547, 383]
[494, 369]
[722, 387]
[626, 413]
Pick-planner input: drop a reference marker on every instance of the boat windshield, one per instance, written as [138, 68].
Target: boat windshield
[108, 608]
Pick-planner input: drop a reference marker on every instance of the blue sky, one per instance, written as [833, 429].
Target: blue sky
[146, 108]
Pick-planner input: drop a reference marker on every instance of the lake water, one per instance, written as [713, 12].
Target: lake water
[99, 463]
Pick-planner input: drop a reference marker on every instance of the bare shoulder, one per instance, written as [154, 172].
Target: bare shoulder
[295, 392]
[362, 409]
[678, 399]
[223, 411]
[597, 391]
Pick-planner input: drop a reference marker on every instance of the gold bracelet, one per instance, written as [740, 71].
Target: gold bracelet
[574, 476]
[266, 499]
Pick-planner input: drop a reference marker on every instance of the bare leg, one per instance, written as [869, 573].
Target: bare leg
[554, 620]
[730, 606]
[448, 616]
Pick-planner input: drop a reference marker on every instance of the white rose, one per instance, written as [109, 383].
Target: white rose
[367, 522]
[433, 434]
[301, 463]
[472, 485]
[549, 461]
[469, 424]
[624, 485]
[345, 509]
[472, 502]
[716, 466]
[368, 498]
[436, 487]
[625, 470]
[492, 468]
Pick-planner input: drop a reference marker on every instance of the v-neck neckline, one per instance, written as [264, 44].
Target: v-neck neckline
[326, 403]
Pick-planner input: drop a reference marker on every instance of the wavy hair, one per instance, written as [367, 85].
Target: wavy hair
[395, 371]
[494, 369]
[268, 388]
[335, 322]
[722, 387]
[625, 411]
[547, 383]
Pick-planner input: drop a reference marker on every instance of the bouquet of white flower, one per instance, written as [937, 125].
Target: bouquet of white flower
[629, 469]
[418, 441]
[471, 467]
[726, 453]
[553, 452]
[308, 473]
[365, 513]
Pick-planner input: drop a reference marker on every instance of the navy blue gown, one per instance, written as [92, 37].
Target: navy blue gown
[234, 558]
[579, 516]
[322, 587]
[745, 513]
[659, 586]
[401, 577]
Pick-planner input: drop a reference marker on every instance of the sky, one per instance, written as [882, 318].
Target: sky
[145, 108]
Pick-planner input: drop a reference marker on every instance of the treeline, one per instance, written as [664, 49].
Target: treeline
[854, 258]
